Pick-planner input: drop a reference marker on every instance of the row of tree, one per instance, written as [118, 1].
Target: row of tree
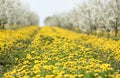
[14, 13]
[90, 16]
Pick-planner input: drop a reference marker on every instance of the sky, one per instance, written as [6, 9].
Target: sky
[46, 8]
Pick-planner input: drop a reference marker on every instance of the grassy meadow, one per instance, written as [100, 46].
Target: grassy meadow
[53, 52]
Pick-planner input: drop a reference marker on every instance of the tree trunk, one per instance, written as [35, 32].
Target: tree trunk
[102, 33]
[116, 31]
[3, 27]
[108, 35]
[116, 28]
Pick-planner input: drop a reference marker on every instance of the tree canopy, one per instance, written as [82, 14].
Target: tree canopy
[15, 13]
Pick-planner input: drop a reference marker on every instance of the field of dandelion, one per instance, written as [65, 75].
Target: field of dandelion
[53, 52]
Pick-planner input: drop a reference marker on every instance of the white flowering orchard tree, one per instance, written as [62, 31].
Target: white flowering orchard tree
[50, 21]
[108, 15]
[114, 15]
[92, 15]
[74, 18]
[14, 13]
